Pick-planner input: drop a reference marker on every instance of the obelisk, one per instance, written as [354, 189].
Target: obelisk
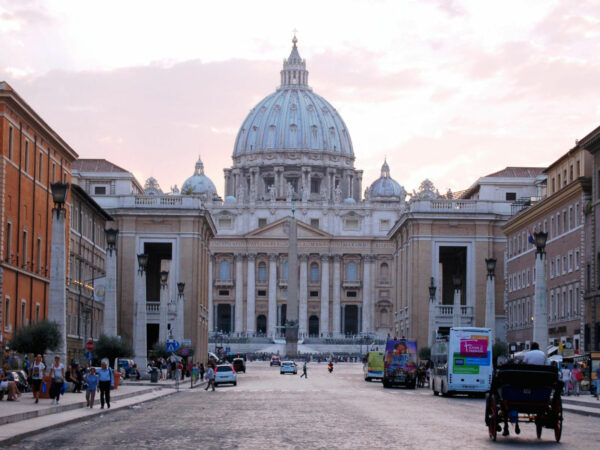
[291, 324]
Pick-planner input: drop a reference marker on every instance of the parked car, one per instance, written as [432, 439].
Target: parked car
[239, 365]
[288, 367]
[275, 361]
[224, 373]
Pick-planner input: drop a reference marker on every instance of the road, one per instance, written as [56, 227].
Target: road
[339, 410]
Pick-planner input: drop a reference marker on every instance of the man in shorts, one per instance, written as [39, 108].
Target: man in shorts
[37, 375]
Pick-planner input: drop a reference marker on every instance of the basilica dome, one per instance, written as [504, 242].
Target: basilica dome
[199, 184]
[293, 118]
[385, 187]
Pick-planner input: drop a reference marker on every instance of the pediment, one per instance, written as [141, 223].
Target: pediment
[278, 230]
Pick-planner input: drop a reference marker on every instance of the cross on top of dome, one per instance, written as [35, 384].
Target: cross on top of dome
[199, 167]
[294, 73]
[385, 169]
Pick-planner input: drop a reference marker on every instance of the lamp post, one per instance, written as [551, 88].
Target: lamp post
[110, 295]
[432, 328]
[540, 319]
[164, 305]
[179, 327]
[140, 344]
[490, 296]
[456, 308]
[57, 305]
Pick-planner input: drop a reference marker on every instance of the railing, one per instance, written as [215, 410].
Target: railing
[223, 283]
[450, 206]
[151, 201]
[351, 284]
[153, 307]
[447, 310]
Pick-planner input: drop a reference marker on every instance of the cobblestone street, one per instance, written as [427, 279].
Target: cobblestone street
[338, 410]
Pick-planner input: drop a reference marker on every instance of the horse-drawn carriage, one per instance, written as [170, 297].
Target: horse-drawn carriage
[525, 393]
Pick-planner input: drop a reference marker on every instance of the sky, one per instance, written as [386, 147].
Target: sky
[446, 90]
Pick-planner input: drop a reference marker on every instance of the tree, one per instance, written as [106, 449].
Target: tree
[37, 338]
[112, 347]
[425, 353]
[500, 348]
[159, 350]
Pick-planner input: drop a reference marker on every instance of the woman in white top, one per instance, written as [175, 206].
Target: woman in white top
[57, 373]
[37, 375]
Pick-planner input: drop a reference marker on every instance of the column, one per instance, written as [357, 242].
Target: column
[140, 345]
[303, 296]
[540, 317]
[490, 306]
[324, 327]
[431, 329]
[336, 295]
[179, 321]
[456, 308]
[250, 295]
[57, 306]
[164, 312]
[272, 311]
[211, 312]
[110, 297]
[366, 292]
[239, 293]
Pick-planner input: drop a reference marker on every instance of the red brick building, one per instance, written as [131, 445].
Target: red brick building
[560, 213]
[32, 157]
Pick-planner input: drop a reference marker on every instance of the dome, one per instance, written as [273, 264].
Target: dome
[293, 118]
[349, 200]
[230, 199]
[151, 187]
[199, 184]
[385, 187]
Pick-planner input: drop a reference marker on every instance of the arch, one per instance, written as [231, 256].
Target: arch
[384, 317]
[314, 272]
[313, 326]
[261, 324]
[224, 270]
[351, 271]
[262, 272]
[384, 271]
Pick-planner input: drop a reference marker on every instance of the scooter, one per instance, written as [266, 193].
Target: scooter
[330, 368]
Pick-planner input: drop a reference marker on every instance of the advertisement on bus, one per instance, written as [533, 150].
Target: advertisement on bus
[400, 363]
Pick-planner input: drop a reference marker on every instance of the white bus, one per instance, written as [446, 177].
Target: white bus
[462, 362]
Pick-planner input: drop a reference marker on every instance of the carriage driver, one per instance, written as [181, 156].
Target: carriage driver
[535, 356]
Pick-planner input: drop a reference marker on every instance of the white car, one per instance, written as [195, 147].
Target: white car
[224, 373]
[288, 367]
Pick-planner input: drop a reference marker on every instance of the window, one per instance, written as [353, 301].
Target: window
[550, 313]
[314, 223]
[10, 143]
[24, 250]
[226, 223]
[576, 259]
[351, 224]
[570, 302]
[564, 265]
[8, 256]
[285, 271]
[315, 186]
[571, 224]
[511, 196]
[224, 292]
[557, 265]
[262, 272]
[7, 313]
[384, 270]
[351, 294]
[578, 169]
[39, 254]
[565, 226]
[314, 293]
[559, 184]
[99, 190]
[314, 273]
[571, 172]
[384, 225]
[261, 293]
[23, 312]
[53, 173]
[351, 271]
[552, 269]
[576, 301]
[570, 261]
[26, 158]
[551, 227]
[576, 214]
[41, 166]
[224, 270]
[262, 222]
[37, 312]
[553, 185]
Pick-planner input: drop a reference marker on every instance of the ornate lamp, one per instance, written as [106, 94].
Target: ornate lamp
[491, 266]
[180, 288]
[540, 241]
[432, 290]
[111, 239]
[142, 262]
[59, 195]
[164, 277]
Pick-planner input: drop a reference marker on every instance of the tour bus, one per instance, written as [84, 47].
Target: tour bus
[462, 362]
[373, 366]
[400, 364]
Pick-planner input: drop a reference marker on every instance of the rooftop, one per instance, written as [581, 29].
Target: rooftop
[96, 165]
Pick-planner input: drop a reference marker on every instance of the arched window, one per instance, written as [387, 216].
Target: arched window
[351, 271]
[224, 270]
[262, 272]
[285, 271]
[385, 272]
[314, 272]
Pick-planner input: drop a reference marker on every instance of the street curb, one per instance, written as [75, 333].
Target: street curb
[39, 430]
[14, 418]
[593, 412]
[583, 403]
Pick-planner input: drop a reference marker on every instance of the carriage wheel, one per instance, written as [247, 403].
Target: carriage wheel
[557, 407]
[493, 420]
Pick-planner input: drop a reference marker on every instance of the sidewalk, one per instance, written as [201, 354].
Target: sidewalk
[584, 404]
[25, 418]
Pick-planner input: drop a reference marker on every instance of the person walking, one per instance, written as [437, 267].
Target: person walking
[106, 382]
[92, 385]
[565, 375]
[598, 383]
[576, 379]
[304, 371]
[201, 372]
[37, 375]
[210, 376]
[57, 375]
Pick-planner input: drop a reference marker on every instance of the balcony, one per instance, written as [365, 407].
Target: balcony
[352, 284]
[444, 315]
[223, 283]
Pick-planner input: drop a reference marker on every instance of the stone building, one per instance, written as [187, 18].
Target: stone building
[86, 276]
[175, 232]
[33, 157]
[560, 213]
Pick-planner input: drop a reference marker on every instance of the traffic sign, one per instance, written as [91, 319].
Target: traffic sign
[90, 346]
[89, 355]
[227, 349]
[185, 351]
[172, 345]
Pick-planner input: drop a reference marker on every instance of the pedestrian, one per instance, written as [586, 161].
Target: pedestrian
[57, 375]
[37, 375]
[304, 371]
[598, 383]
[163, 369]
[201, 372]
[9, 384]
[92, 386]
[26, 364]
[565, 375]
[106, 382]
[576, 379]
[210, 375]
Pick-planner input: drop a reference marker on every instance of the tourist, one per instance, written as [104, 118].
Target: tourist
[37, 376]
[106, 382]
[92, 384]
[57, 375]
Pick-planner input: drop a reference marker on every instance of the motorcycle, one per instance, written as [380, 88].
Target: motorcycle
[330, 368]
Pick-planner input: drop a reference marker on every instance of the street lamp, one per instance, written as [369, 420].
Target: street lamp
[456, 281]
[59, 195]
[432, 329]
[491, 266]
[540, 241]
[432, 289]
[164, 277]
[180, 288]
[142, 263]
[111, 239]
